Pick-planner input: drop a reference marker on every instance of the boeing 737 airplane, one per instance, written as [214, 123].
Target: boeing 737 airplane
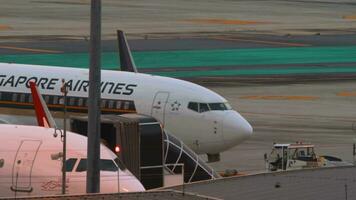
[201, 118]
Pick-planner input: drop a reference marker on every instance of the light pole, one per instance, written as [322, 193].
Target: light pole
[354, 144]
[93, 148]
[64, 91]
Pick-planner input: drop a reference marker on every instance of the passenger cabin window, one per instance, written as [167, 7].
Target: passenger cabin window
[55, 100]
[105, 165]
[118, 105]
[111, 104]
[14, 97]
[46, 99]
[80, 102]
[2, 163]
[22, 98]
[126, 105]
[103, 103]
[71, 101]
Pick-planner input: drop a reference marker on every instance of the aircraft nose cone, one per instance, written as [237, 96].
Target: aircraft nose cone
[236, 129]
[129, 183]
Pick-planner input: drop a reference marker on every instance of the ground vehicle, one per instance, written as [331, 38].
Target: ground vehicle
[298, 156]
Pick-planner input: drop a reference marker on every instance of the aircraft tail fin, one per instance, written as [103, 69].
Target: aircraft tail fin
[126, 61]
[44, 117]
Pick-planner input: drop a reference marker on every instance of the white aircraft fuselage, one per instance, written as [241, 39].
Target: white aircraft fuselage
[30, 164]
[198, 116]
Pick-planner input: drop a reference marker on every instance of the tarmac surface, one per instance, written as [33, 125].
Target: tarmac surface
[223, 56]
[309, 184]
[70, 17]
[322, 113]
[289, 67]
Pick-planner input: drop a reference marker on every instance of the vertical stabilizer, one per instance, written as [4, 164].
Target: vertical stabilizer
[126, 61]
[44, 117]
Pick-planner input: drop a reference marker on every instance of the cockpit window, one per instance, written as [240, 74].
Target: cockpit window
[193, 106]
[108, 165]
[203, 107]
[119, 163]
[105, 165]
[82, 166]
[70, 164]
[228, 106]
[219, 106]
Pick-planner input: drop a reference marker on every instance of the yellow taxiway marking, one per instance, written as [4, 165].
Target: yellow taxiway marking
[351, 17]
[4, 27]
[262, 41]
[346, 94]
[296, 98]
[226, 21]
[29, 49]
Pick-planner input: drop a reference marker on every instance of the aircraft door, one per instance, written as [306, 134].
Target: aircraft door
[22, 167]
[159, 106]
